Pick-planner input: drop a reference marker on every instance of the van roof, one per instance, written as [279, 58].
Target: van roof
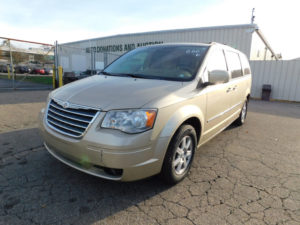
[194, 44]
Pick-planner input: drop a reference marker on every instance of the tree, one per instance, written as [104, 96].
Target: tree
[18, 57]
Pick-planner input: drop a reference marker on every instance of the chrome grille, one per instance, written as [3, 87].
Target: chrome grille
[72, 120]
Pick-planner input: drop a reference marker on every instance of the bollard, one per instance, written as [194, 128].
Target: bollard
[53, 77]
[60, 76]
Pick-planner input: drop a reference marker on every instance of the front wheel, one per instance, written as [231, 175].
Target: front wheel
[241, 120]
[180, 154]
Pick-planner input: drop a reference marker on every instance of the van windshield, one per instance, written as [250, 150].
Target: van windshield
[179, 63]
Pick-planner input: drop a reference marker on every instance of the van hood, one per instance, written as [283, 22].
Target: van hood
[110, 92]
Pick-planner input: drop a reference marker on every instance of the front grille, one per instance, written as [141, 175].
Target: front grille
[72, 120]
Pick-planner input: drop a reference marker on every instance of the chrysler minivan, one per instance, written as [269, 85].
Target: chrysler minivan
[148, 111]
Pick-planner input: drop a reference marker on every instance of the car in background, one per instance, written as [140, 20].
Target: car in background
[48, 71]
[3, 68]
[42, 72]
[38, 71]
[90, 72]
[22, 69]
[69, 77]
[35, 71]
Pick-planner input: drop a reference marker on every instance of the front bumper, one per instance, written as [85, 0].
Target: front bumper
[133, 156]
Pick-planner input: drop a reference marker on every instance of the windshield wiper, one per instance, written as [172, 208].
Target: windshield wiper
[106, 73]
[132, 75]
[123, 74]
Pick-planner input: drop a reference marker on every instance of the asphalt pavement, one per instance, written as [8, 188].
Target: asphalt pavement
[245, 175]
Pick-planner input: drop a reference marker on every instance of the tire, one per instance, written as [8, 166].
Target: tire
[241, 120]
[180, 154]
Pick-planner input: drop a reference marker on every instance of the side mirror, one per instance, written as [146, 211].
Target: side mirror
[218, 76]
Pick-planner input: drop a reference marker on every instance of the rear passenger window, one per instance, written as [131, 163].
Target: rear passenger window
[234, 64]
[245, 65]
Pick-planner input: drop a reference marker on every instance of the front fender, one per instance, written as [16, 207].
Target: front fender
[178, 117]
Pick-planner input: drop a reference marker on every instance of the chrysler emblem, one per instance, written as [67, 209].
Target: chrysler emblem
[65, 104]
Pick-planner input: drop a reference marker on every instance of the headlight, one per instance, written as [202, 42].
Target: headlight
[130, 121]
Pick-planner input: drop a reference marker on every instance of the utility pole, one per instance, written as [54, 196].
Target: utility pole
[252, 16]
[55, 64]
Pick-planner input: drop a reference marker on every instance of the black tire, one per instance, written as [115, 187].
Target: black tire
[241, 120]
[184, 135]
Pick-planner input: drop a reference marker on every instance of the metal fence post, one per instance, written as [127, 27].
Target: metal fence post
[11, 64]
[53, 76]
[105, 59]
[55, 71]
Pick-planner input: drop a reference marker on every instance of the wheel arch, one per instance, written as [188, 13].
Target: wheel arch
[191, 115]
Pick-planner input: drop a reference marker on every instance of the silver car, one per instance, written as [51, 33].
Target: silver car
[148, 111]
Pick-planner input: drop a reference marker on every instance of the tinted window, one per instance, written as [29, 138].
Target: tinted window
[234, 64]
[179, 63]
[245, 65]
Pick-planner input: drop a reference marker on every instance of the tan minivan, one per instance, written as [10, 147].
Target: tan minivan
[148, 111]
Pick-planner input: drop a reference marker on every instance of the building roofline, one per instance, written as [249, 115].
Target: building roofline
[167, 31]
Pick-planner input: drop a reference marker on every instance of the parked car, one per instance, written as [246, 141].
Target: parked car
[35, 71]
[90, 72]
[22, 69]
[38, 71]
[42, 72]
[69, 77]
[148, 112]
[48, 71]
[3, 68]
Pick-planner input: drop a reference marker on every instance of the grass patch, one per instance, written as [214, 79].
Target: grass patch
[34, 79]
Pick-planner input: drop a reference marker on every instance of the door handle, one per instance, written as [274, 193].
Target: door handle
[228, 90]
[234, 88]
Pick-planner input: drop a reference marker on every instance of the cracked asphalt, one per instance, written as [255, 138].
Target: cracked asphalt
[245, 175]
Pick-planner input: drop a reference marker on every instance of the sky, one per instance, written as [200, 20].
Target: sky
[66, 20]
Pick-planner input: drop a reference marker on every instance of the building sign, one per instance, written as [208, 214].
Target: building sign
[120, 47]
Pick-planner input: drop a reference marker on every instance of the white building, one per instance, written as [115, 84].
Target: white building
[98, 52]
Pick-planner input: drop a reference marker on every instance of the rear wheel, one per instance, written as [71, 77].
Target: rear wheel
[180, 154]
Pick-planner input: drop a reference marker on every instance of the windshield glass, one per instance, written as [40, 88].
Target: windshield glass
[178, 63]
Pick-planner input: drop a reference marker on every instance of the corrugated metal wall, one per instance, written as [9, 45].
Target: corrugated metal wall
[283, 75]
[238, 36]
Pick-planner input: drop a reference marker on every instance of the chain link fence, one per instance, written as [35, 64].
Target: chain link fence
[25, 65]
[78, 62]
[32, 65]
